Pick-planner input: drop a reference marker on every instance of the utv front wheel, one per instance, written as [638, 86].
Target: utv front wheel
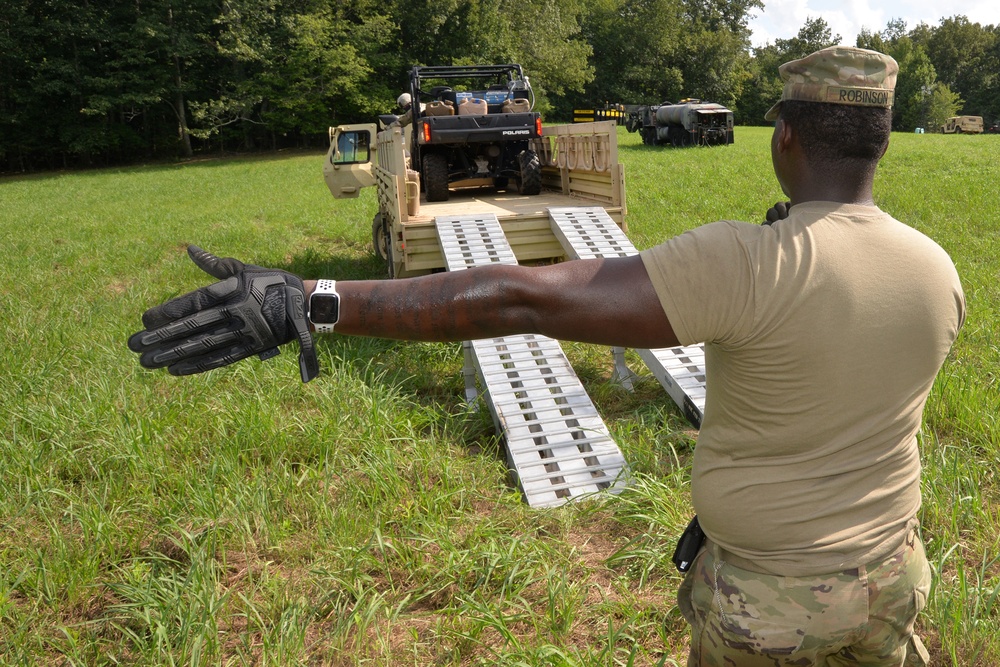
[436, 177]
[531, 173]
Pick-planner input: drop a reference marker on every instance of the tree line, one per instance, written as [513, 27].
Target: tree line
[96, 82]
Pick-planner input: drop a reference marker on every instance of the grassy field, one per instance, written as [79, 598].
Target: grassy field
[243, 518]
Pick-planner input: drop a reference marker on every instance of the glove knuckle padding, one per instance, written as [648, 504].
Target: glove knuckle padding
[263, 310]
[220, 358]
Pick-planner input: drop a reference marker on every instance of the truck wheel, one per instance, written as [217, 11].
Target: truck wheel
[531, 173]
[436, 177]
[501, 182]
[381, 241]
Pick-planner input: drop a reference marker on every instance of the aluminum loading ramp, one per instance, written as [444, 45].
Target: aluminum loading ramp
[589, 233]
[558, 447]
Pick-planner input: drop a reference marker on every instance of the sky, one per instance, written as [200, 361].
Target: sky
[782, 19]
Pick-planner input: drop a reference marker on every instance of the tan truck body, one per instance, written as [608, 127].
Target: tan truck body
[580, 167]
[963, 125]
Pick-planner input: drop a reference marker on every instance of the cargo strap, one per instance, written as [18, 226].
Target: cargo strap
[558, 447]
[589, 233]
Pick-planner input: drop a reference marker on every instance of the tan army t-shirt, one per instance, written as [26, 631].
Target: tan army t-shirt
[823, 335]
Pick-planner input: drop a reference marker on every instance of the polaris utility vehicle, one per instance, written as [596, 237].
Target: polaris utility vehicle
[473, 123]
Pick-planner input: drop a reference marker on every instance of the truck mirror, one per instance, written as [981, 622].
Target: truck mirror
[353, 147]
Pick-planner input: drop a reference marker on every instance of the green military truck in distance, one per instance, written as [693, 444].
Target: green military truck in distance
[963, 125]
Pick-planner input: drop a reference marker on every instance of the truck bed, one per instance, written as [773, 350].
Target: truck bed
[524, 218]
[486, 200]
[579, 168]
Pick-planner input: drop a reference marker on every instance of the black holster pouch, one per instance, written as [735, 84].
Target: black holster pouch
[688, 545]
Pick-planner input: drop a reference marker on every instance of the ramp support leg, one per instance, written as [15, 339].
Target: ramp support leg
[469, 373]
[623, 375]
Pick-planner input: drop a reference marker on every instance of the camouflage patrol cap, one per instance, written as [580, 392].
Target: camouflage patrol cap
[839, 75]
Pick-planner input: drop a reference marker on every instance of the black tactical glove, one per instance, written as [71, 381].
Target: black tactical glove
[777, 212]
[251, 311]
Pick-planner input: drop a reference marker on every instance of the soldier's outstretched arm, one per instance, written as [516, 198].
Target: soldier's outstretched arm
[254, 310]
[604, 301]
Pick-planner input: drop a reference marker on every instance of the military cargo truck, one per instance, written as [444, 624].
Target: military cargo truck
[963, 125]
[557, 446]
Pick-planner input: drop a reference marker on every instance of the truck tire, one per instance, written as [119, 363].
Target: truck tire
[379, 237]
[381, 241]
[531, 173]
[435, 175]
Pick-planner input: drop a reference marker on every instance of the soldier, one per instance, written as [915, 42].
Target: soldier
[406, 104]
[823, 330]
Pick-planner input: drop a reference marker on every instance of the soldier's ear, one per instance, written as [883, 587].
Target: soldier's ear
[784, 134]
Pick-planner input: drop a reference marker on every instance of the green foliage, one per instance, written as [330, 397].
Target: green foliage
[651, 51]
[90, 83]
[942, 105]
[967, 58]
[548, 44]
[764, 84]
[635, 44]
[917, 77]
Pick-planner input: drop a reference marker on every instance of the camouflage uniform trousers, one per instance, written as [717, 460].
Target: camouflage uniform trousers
[864, 616]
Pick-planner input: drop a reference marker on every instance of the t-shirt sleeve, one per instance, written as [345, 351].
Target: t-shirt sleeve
[704, 281]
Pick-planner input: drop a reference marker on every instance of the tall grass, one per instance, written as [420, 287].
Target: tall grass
[242, 518]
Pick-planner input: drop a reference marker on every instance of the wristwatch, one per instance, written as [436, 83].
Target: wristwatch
[324, 306]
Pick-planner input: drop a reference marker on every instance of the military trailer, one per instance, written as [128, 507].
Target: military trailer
[963, 125]
[688, 123]
[578, 166]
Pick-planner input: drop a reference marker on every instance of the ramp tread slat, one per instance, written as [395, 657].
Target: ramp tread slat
[558, 447]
